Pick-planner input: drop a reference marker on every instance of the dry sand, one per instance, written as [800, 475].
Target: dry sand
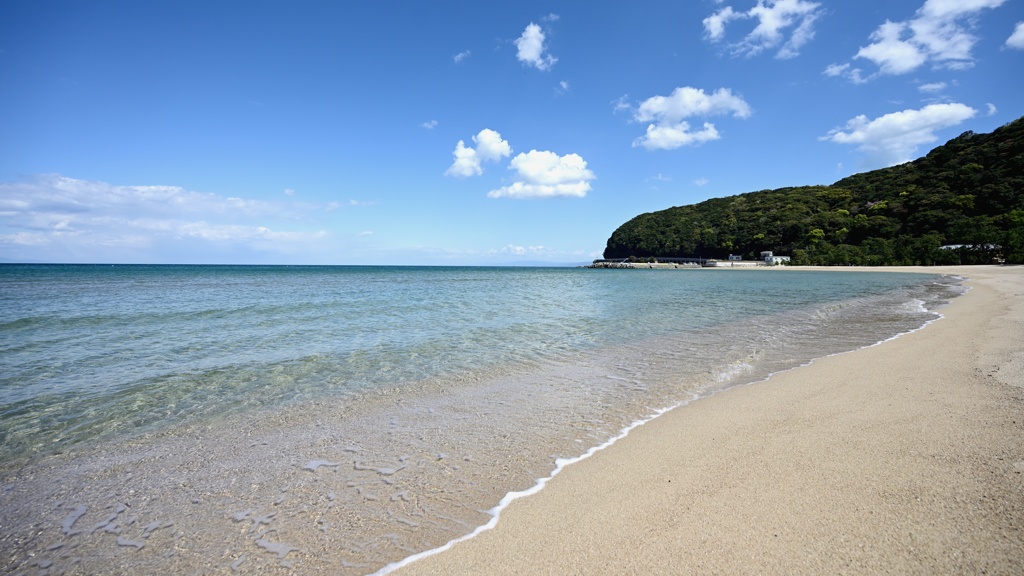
[906, 457]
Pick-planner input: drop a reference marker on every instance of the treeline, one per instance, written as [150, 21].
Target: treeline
[967, 192]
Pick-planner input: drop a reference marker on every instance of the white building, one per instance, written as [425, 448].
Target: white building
[772, 260]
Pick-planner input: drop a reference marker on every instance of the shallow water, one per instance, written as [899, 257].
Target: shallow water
[361, 414]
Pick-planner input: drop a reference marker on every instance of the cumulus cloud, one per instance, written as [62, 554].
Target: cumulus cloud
[562, 88]
[938, 33]
[82, 220]
[669, 130]
[461, 56]
[429, 125]
[672, 136]
[546, 175]
[786, 22]
[932, 88]
[1016, 40]
[700, 181]
[489, 147]
[531, 48]
[893, 138]
[991, 109]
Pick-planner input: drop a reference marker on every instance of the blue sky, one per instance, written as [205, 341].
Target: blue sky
[458, 133]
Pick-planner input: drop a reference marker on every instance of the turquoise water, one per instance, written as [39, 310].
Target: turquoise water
[155, 344]
[206, 395]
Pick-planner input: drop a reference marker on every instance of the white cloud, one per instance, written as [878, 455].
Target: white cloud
[531, 48]
[332, 206]
[1016, 40]
[835, 69]
[714, 25]
[538, 252]
[621, 103]
[893, 138]
[659, 178]
[289, 191]
[367, 233]
[223, 232]
[893, 55]
[687, 101]
[81, 220]
[546, 175]
[991, 109]
[56, 194]
[670, 137]
[517, 250]
[551, 17]
[429, 125]
[700, 181]
[939, 33]
[489, 147]
[461, 56]
[932, 88]
[775, 18]
[548, 168]
[669, 130]
[25, 238]
[854, 74]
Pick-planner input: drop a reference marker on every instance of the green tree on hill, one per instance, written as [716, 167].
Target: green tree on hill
[966, 192]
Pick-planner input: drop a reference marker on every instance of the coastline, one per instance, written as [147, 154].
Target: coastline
[904, 456]
[349, 487]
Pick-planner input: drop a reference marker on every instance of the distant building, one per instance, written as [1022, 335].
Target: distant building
[772, 260]
[971, 247]
[734, 257]
[733, 263]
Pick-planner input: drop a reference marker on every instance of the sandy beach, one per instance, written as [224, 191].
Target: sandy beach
[905, 457]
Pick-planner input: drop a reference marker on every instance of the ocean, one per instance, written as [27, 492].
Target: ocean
[338, 419]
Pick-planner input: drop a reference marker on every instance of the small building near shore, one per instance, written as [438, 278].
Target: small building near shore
[771, 259]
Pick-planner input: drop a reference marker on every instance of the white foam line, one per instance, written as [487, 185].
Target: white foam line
[495, 512]
[561, 463]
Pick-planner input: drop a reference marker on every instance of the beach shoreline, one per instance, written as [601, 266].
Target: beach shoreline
[902, 457]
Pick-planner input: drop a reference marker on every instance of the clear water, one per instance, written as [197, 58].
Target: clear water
[192, 394]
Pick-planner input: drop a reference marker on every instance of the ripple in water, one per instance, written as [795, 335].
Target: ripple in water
[311, 461]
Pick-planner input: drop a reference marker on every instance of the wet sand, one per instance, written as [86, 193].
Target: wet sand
[905, 457]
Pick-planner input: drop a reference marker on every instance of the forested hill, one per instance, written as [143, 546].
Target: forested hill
[967, 191]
